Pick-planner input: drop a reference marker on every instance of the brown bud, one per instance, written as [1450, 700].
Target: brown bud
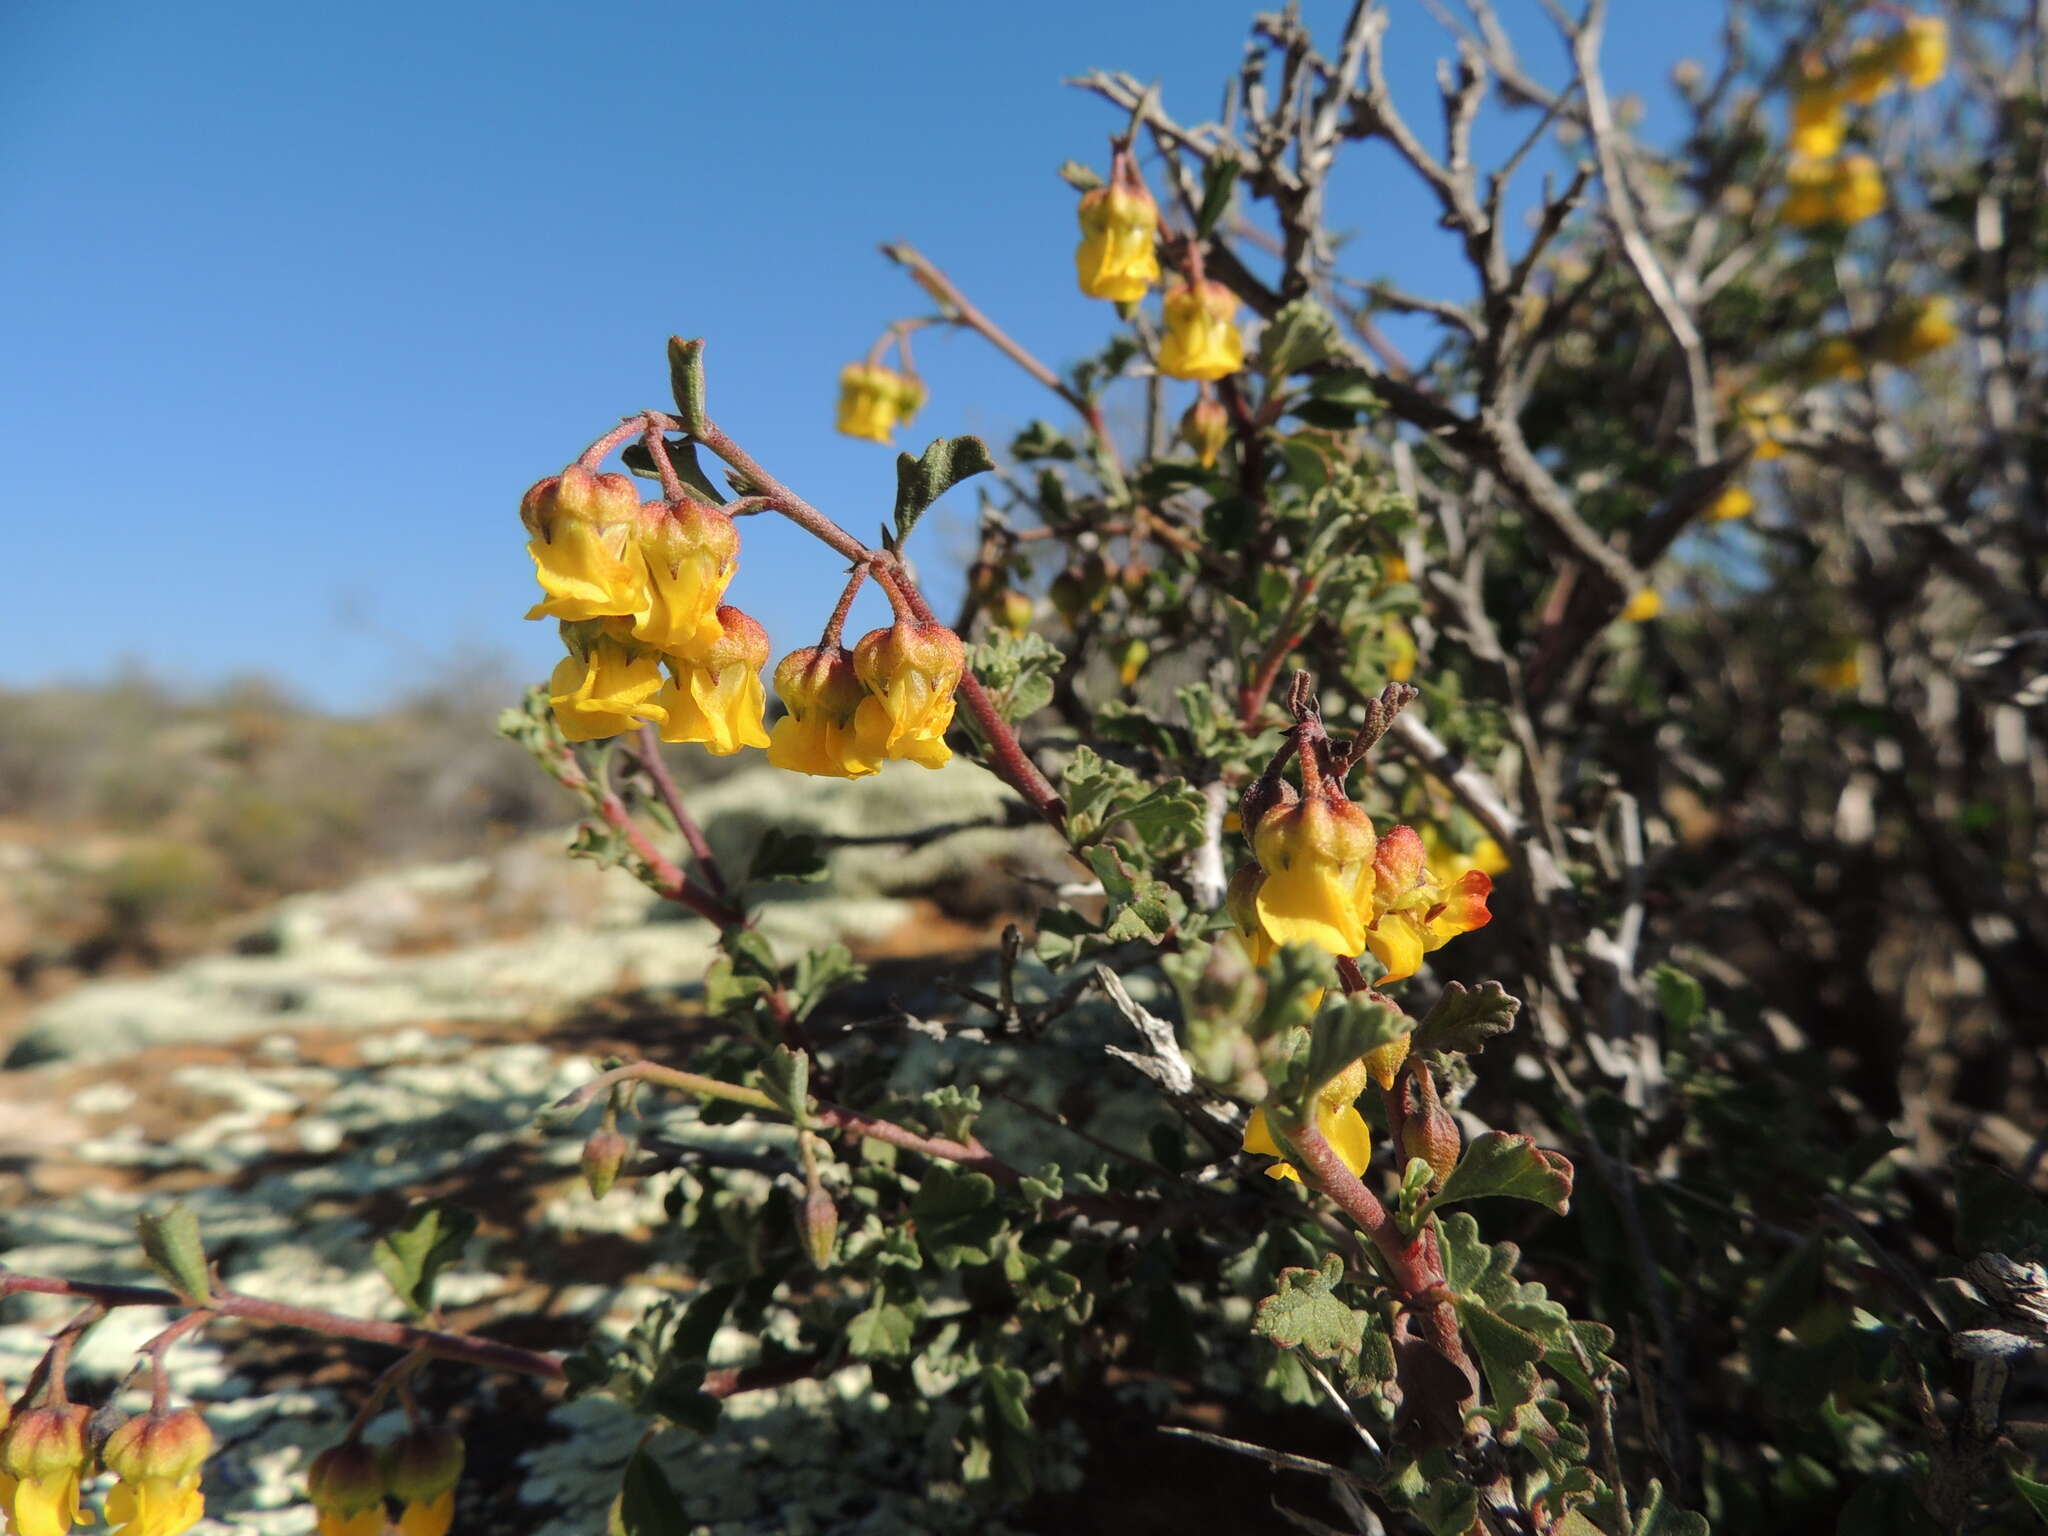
[603, 1156]
[1428, 1130]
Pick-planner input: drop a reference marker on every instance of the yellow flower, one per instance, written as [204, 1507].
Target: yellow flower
[1733, 502]
[823, 694]
[1337, 1117]
[346, 1485]
[1646, 604]
[1858, 192]
[1132, 661]
[582, 526]
[1116, 259]
[1872, 63]
[1241, 901]
[1202, 340]
[157, 1457]
[1401, 642]
[690, 551]
[1842, 675]
[1922, 51]
[1764, 418]
[1834, 357]
[1317, 854]
[1818, 121]
[1415, 911]
[605, 687]
[717, 700]
[1393, 572]
[1206, 428]
[870, 401]
[45, 1452]
[1486, 855]
[1809, 192]
[423, 1468]
[910, 672]
[1919, 330]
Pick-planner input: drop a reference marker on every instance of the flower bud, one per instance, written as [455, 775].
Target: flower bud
[818, 1226]
[423, 1465]
[1428, 1130]
[823, 693]
[1132, 661]
[1116, 259]
[716, 699]
[1202, 339]
[1643, 606]
[604, 1154]
[691, 551]
[1206, 428]
[1268, 792]
[346, 1485]
[910, 671]
[581, 526]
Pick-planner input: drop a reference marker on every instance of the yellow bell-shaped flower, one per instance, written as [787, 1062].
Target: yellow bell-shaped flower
[1858, 192]
[1809, 192]
[822, 693]
[46, 1454]
[1922, 55]
[910, 672]
[423, 1469]
[717, 700]
[1415, 911]
[691, 551]
[582, 526]
[1317, 855]
[1920, 330]
[1337, 1117]
[606, 686]
[157, 1457]
[1116, 259]
[1733, 502]
[1206, 428]
[1818, 119]
[1202, 340]
[346, 1485]
[870, 401]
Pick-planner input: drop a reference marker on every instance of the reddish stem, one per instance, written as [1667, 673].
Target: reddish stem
[649, 753]
[595, 454]
[835, 625]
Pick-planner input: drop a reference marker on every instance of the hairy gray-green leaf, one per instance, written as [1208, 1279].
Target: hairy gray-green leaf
[686, 380]
[786, 1078]
[173, 1247]
[1300, 334]
[1510, 1165]
[1305, 1314]
[957, 1221]
[413, 1254]
[920, 482]
[1465, 1018]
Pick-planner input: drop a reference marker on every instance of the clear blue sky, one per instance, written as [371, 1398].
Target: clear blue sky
[295, 300]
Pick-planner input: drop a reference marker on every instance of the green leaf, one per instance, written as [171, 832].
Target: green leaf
[784, 855]
[954, 1110]
[2034, 1495]
[1217, 181]
[1017, 671]
[1104, 797]
[1503, 1163]
[1302, 333]
[1658, 1516]
[686, 379]
[413, 1254]
[956, 1218]
[1680, 997]
[1465, 1018]
[1305, 1314]
[1040, 440]
[1009, 1395]
[817, 973]
[920, 482]
[1350, 387]
[883, 1332]
[173, 1247]
[648, 1506]
[786, 1078]
[1508, 1355]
